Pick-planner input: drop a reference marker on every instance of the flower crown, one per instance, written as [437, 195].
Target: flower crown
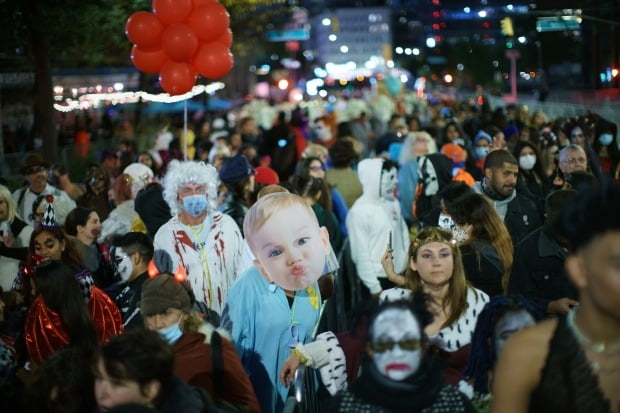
[429, 235]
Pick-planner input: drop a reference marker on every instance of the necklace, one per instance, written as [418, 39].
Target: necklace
[203, 259]
[600, 355]
[596, 347]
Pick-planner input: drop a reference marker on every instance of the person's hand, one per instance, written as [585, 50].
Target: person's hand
[8, 239]
[561, 306]
[387, 261]
[287, 373]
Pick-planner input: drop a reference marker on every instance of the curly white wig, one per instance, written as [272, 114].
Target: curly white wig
[186, 172]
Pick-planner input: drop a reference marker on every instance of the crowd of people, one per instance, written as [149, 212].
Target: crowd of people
[192, 276]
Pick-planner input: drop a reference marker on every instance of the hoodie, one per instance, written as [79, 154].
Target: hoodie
[370, 221]
[501, 206]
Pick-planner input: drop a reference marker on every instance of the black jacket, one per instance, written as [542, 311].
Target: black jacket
[538, 271]
[482, 266]
[522, 217]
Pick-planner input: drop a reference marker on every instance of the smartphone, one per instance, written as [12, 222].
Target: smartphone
[390, 241]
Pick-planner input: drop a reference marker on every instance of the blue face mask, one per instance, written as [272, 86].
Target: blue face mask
[605, 139]
[172, 333]
[481, 152]
[195, 204]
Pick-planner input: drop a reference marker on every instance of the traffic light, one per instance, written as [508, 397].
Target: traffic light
[506, 24]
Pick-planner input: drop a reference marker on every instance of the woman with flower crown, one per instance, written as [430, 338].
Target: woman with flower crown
[436, 269]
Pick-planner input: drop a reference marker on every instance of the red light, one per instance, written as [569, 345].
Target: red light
[152, 269]
[486, 25]
[435, 26]
[436, 14]
[436, 2]
[180, 275]
[443, 25]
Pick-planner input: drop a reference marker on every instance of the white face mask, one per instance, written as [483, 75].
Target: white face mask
[396, 344]
[388, 183]
[445, 222]
[461, 234]
[124, 266]
[527, 162]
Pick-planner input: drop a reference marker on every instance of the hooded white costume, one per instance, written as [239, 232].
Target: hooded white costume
[369, 222]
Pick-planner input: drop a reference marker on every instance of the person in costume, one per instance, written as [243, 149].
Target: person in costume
[274, 306]
[207, 243]
[132, 255]
[124, 217]
[572, 362]
[61, 315]
[202, 357]
[502, 316]
[397, 374]
[436, 269]
[374, 221]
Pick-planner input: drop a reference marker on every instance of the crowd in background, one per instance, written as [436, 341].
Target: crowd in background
[455, 200]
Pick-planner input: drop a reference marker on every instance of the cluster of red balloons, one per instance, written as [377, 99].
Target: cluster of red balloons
[180, 40]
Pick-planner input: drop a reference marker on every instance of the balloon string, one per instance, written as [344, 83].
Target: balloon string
[185, 128]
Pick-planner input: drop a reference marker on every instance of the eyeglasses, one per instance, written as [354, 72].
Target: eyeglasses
[316, 168]
[33, 170]
[406, 344]
[573, 161]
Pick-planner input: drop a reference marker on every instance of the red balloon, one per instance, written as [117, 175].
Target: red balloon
[172, 11]
[144, 29]
[179, 42]
[177, 78]
[213, 60]
[226, 39]
[198, 3]
[147, 61]
[209, 21]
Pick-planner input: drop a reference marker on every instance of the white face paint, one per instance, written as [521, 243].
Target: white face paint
[510, 323]
[396, 344]
[124, 265]
[389, 181]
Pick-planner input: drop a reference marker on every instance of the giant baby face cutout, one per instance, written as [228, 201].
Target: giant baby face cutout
[290, 248]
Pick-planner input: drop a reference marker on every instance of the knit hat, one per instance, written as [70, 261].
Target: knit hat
[164, 292]
[266, 175]
[483, 135]
[235, 169]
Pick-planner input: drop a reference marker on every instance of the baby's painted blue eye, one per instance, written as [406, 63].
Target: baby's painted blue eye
[303, 240]
[274, 253]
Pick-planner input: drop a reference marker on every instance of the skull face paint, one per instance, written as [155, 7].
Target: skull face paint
[124, 266]
[510, 323]
[389, 180]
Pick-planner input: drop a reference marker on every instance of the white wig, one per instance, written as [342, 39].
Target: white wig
[180, 173]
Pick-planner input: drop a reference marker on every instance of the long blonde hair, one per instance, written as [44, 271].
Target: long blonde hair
[456, 299]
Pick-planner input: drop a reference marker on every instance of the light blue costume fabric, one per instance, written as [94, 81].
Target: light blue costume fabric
[258, 317]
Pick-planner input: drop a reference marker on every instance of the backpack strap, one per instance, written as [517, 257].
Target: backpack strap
[20, 198]
[218, 363]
